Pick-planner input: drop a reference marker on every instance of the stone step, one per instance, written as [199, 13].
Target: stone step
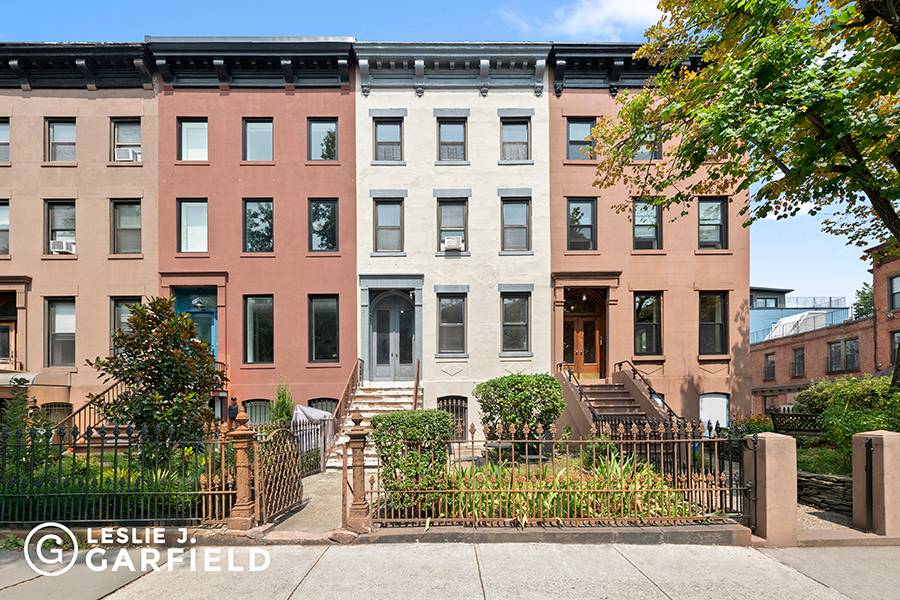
[616, 410]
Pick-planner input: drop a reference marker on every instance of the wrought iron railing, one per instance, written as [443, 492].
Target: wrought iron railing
[654, 396]
[343, 405]
[92, 414]
[281, 459]
[415, 402]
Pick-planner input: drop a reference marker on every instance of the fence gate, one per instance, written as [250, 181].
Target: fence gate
[282, 458]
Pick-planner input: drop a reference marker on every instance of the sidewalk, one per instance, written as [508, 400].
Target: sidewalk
[513, 571]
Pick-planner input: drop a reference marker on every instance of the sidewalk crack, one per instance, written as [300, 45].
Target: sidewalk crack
[480, 579]
[308, 571]
[638, 569]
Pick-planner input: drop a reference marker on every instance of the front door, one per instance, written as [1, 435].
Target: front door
[393, 325]
[7, 344]
[582, 345]
[201, 306]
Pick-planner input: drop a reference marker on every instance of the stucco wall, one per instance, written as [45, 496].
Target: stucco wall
[680, 271]
[291, 273]
[484, 268]
[94, 275]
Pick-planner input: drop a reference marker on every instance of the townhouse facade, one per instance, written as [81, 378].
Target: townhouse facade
[426, 208]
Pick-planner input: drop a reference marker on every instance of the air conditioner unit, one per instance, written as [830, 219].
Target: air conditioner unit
[62, 247]
[453, 243]
[128, 155]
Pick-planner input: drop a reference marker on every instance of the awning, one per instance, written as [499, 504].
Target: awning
[50, 378]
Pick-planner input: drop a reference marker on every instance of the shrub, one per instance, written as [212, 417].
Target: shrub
[858, 392]
[752, 424]
[412, 448]
[520, 399]
[283, 407]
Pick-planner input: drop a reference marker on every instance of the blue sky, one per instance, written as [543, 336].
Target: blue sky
[793, 253]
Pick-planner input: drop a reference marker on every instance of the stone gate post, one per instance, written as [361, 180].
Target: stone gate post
[884, 503]
[358, 518]
[244, 510]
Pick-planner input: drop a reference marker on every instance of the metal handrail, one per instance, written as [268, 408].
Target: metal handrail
[415, 405]
[654, 395]
[570, 375]
[92, 413]
[340, 409]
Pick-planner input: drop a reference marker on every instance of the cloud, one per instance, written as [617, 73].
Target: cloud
[598, 20]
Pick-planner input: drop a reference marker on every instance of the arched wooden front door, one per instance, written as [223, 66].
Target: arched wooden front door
[583, 329]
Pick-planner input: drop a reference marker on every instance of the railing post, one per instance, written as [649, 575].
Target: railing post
[876, 502]
[358, 518]
[244, 509]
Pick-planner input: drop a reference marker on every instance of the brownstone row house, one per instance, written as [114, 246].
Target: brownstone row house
[275, 188]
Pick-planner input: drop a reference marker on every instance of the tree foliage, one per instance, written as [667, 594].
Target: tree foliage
[283, 407]
[519, 399]
[168, 374]
[864, 304]
[799, 96]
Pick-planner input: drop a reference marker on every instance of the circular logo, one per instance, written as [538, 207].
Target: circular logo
[38, 556]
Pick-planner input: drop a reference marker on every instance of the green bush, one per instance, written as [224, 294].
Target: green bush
[412, 447]
[283, 407]
[858, 392]
[752, 424]
[519, 399]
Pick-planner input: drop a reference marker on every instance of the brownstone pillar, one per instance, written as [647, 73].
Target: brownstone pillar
[358, 518]
[241, 437]
[885, 483]
[773, 473]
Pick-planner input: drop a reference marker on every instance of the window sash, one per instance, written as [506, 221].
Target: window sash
[894, 297]
[60, 222]
[515, 333]
[319, 131]
[713, 227]
[646, 218]
[451, 139]
[798, 364]
[452, 221]
[323, 225]
[575, 145]
[126, 228]
[127, 134]
[259, 329]
[451, 328]
[388, 146]
[769, 367]
[388, 236]
[582, 235]
[193, 225]
[713, 323]
[61, 333]
[4, 140]
[516, 235]
[193, 143]
[515, 138]
[648, 323]
[121, 312]
[4, 227]
[259, 139]
[259, 225]
[648, 152]
[61, 140]
[843, 355]
[324, 329]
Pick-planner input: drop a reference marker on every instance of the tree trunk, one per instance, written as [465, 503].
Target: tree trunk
[895, 377]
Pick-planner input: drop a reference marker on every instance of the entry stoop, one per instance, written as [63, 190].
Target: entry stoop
[611, 401]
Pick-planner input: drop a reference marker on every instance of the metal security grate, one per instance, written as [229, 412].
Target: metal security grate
[458, 407]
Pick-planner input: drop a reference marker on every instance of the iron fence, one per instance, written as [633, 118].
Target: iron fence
[114, 475]
[282, 457]
[659, 473]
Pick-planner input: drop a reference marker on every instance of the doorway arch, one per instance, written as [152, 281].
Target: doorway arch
[584, 328]
[392, 336]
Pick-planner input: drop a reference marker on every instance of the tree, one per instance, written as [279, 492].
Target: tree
[283, 407]
[864, 305]
[168, 374]
[17, 407]
[800, 97]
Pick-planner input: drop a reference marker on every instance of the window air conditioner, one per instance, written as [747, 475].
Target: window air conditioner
[453, 243]
[128, 155]
[62, 247]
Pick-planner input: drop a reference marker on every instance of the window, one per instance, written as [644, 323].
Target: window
[516, 223]
[259, 329]
[582, 229]
[192, 226]
[60, 226]
[121, 312]
[713, 323]
[4, 227]
[323, 328]
[452, 223]
[259, 225]
[60, 140]
[579, 145]
[765, 302]
[895, 344]
[515, 322]
[648, 323]
[894, 299]
[4, 140]
[647, 225]
[769, 367]
[323, 225]
[798, 364]
[515, 139]
[388, 226]
[193, 141]
[61, 332]
[451, 139]
[843, 355]
[258, 139]
[451, 324]
[713, 222]
[323, 139]
[389, 139]
[126, 142]
[649, 152]
[126, 231]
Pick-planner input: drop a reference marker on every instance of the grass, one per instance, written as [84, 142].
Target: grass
[822, 459]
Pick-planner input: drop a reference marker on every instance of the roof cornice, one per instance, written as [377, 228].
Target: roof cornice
[73, 65]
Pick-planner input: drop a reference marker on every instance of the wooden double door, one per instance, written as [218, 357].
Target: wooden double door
[583, 345]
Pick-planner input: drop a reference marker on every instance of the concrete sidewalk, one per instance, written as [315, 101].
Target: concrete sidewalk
[514, 571]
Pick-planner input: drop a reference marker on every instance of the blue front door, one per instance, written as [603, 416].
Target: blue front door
[200, 305]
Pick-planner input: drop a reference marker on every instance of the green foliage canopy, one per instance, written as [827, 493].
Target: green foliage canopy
[519, 399]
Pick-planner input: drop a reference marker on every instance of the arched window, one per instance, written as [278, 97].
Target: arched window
[458, 407]
[326, 404]
[258, 410]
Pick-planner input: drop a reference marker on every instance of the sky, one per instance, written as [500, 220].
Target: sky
[793, 253]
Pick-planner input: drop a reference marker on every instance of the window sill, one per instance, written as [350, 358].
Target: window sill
[323, 163]
[5, 164]
[59, 163]
[842, 371]
[257, 366]
[62, 369]
[388, 163]
[323, 365]
[802, 376]
[515, 162]
[451, 163]
[516, 253]
[134, 256]
[192, 255]
[714, 251]
[582, 253]
[714, 357]
[122, 163]
[581, 162]
[329, 254]
[59, 257]
[5, 256]
[386, 254]
[257, 163]
[451, 357]
[452, 253]
[654, 358]
[191, 163]
[768, 380]
[515, 355]
[257, 255]
[657, 252]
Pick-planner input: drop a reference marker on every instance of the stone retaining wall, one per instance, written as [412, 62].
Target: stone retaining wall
[830, 492]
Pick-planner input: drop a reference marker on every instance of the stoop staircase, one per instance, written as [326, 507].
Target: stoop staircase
[611, 401]
[371, 399]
